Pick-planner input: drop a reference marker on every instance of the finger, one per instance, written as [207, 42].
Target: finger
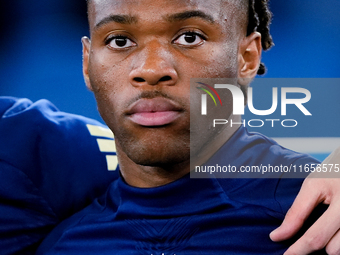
[333, 246]
[307, 199]
[318, 235]
[333, 157]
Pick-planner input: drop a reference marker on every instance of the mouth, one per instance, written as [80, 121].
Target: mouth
[154, 112]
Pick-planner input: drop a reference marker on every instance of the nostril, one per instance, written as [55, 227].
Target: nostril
[165, 78]
[138, 79]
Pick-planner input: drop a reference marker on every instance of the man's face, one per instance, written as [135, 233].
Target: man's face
[140, 61]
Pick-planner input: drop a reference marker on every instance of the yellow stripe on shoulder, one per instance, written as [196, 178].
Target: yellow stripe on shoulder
[100, 131]
[112, 162]
[106, 145]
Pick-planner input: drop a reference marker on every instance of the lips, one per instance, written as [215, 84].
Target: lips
[157, 111]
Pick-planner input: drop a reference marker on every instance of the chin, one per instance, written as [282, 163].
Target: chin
[158, 154]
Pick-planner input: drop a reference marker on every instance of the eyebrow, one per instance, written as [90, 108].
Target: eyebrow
[128, 20]
[122, 19]
[190, 14]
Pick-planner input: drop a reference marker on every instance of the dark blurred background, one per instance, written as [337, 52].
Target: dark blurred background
[41, 53]
[41, 57]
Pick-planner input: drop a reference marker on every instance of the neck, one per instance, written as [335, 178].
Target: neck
[150, 176]
[154, 176]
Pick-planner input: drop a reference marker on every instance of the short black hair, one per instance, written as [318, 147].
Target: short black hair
[259, 20]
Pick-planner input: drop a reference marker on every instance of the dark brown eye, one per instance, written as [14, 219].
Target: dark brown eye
[189, 39]
[120, 42]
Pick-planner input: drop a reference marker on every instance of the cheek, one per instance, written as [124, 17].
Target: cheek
[105, 73]
[215, 62]
[225, 61]
[109, 84]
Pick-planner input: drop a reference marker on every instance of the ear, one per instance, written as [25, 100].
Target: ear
[249, 57]
[86, 52]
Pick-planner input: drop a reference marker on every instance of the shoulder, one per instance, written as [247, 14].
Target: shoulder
[268, 179]
[254, 149]
[264, 150]
[61, 153]
[52, 164]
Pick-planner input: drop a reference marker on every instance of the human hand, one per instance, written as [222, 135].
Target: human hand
[317, 188]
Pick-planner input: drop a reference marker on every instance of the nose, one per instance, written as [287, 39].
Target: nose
[153, 65]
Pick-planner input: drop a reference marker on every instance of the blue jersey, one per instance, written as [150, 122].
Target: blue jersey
[189, 216]
[52, 164]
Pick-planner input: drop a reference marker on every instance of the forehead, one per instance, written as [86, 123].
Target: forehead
[153, 11]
